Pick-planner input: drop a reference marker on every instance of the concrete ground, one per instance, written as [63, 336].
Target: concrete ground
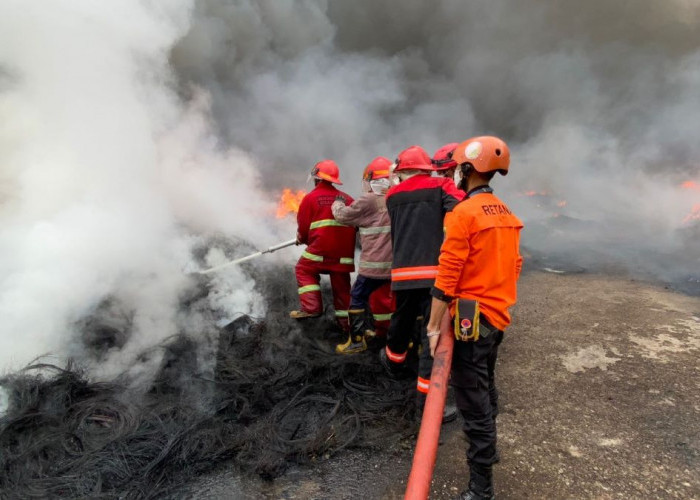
[600, 390]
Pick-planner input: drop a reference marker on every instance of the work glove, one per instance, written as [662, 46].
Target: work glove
[340, 198]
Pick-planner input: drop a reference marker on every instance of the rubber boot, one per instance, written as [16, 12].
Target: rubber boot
[480, 484]
[356, 338]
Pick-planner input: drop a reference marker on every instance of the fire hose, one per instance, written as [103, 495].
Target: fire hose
[418, 487]
[248, 257]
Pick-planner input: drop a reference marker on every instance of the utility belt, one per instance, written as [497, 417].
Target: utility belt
[468, 320]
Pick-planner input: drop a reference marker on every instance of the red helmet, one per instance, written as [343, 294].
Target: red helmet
[442, 160]
[485, 153]
[326, 170]
[377, 169]
[413, 158]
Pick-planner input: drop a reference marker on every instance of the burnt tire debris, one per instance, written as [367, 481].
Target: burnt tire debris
[279, 396]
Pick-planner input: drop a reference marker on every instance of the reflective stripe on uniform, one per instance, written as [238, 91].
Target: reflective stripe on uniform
[341, 314]
[423, 385]
[393, 357]
[375, 265]
[310, 256]
[382, 317]
[325, 223]
[309, 288]
[319, 258]
[414, 273]
[375, 230]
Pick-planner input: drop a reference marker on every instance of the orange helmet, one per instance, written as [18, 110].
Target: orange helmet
[442, 159]
[377, 169]
[413, 158]
[326, 170]
[485, 153]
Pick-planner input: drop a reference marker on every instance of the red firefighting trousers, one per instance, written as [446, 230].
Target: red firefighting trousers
[308, 275]
[382, 305]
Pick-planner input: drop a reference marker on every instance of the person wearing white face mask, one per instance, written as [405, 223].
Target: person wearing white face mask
[370, 215]
[444, 165]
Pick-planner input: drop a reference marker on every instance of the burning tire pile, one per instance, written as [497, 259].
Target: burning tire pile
[279, 396]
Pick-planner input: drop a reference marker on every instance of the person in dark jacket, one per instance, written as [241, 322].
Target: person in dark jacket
[417, 207]
[330, 247]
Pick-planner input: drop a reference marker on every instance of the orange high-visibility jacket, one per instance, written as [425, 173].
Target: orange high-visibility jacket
[480, 257]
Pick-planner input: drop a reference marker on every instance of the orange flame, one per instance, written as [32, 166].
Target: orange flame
[693, 215]
[561, 204]
[289, 202]
[691, 185]
[535, 193]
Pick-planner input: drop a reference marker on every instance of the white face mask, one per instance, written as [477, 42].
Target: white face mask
[393, 177]
[380, 186]
[458, 176]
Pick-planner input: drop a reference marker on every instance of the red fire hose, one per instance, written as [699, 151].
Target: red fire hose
[426, 448]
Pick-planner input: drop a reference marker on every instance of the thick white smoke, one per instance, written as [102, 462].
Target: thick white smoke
[107, 178]
[598, 102]
[129, 132]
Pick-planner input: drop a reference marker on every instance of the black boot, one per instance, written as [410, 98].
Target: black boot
[480, 484]
[356, 338]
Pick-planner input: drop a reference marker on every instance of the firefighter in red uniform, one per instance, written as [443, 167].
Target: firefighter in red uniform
[330, 247]
[370, 215]
[479, 267]
[417, 206]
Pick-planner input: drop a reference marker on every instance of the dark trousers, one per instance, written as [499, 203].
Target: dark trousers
[409, 305]
[473, 379]
[362, 289]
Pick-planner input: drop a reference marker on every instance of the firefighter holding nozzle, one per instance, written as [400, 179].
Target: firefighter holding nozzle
[330, 247]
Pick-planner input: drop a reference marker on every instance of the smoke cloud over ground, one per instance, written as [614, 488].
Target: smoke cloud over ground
[130, 137]
[598, 102]
[108, 182]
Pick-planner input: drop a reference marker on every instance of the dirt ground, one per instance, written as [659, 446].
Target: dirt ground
[600, 390]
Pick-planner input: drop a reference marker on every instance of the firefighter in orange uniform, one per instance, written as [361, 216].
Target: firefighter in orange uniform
[330, 247]
[417, 206]
[479, 267]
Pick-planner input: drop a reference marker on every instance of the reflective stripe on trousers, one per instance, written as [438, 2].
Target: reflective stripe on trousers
[394, 357]
[423, 385]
